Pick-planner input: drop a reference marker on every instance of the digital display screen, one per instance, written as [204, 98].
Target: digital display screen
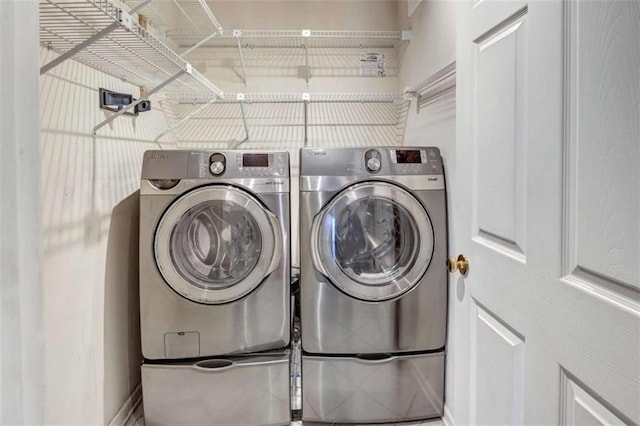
[255, 160]
[410, 157]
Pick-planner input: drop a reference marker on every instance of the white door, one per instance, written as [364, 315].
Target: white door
[547, 210]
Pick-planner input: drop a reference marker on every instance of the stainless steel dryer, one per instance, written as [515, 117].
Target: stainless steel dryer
[214, 253]
[373, 230]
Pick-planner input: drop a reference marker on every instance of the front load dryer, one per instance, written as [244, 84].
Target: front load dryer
[373, 230]
[373, 227]
[214, 253]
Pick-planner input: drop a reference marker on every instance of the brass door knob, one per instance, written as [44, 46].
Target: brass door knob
[461, 264]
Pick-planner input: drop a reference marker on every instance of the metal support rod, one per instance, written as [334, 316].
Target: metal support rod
[306, 139]
[137, 101]
[211, 16]
[185, 119]
[88, 42]
[244, 120]
[244, 77]
[307, 71]
[198, 44]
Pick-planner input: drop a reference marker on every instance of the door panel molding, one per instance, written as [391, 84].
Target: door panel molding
[496, 346]
[500, 94]
[579, 405]
[598, 183]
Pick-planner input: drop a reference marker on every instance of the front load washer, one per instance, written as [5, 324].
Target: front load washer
[214, 253]
[373, 230]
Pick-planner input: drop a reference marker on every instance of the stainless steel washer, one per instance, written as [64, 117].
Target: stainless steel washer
[373, 230]
[214, 253]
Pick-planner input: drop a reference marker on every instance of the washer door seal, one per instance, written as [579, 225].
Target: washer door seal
[374, 241]
[216, 244]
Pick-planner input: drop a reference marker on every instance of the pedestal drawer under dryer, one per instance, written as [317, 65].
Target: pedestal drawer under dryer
[372, 389]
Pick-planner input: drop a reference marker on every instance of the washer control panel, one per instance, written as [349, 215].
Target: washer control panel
[230, 164]
[252, 164]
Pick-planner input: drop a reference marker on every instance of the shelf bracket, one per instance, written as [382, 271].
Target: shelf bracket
[305, 99]
[88, 42]
[211, 16]
[137, 101]
[244, 121]
[240, 97]
[198, 44]
[307, 72]
[184, 119]
[237, 34]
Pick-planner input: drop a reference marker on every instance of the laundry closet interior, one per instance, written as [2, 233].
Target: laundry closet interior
[221, 75]
[344, 211]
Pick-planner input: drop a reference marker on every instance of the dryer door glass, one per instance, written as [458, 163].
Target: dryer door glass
[216, 244]
[374, 241]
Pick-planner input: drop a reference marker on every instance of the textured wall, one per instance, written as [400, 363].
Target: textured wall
[92, 349]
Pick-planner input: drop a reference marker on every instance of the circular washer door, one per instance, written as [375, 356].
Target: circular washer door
[216, 244]
[374, 241]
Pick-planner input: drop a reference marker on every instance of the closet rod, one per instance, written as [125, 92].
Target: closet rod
[430, 82]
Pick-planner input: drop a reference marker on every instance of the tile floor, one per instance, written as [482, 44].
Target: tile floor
[137, 419]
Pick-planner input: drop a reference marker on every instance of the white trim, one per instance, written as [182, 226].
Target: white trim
[447, 418]
[128, 407]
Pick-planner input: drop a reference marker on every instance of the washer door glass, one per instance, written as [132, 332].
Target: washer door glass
[374, 241]
[216, 244]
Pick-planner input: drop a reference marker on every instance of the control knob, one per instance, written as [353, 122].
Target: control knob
[373, 164]
[217, 168]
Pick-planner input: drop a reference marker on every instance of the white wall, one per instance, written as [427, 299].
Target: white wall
[432, 47]
[90, 256]
[21, 347]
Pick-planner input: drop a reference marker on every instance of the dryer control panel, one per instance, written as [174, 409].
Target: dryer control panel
[409, 161]
[370, 162]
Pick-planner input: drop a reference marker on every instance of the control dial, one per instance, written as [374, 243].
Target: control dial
[373, 164]
[217, 164]
[217, 167]
[372, 160]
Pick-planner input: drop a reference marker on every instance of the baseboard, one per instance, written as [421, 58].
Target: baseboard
[447, 418]
[128, 407]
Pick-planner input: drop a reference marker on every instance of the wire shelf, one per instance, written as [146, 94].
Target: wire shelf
[329, 119]
[128, 52]
[285, 97]
[293, 39]
[191, 16]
